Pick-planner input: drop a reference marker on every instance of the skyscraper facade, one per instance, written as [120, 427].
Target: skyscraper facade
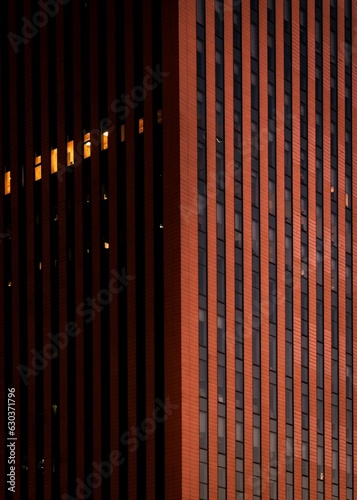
[178, 241]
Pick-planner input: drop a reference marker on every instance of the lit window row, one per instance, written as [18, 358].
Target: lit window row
[87, 145]
[70, 156]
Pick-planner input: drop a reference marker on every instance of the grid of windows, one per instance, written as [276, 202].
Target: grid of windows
[334, 251]
[319, 261]
[304, 251]
[348, 241]
[256, 334]
[83, 201]
[272, 254]
[288, 254]
[202, 246]
[238, 230]
[221, 250]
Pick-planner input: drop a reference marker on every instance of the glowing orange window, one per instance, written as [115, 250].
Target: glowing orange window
[38, 171]
[54, 166]
[70, 153]
[86, 146]
[7, 183]
[105, 136]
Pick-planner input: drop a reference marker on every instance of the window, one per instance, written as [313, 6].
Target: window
[318, 129]
[271, 53]
[201, 109]
[271, 148]
[7, 183]
[203, 327]
[348, 147]
[219, 12]
[238, 229]
[319, 222]
[318, 35]
[304, 254]
[272, 245]
[303, 204]
[255, 237]
[333, 47]
[220, 221]
[319, 268]
[201, 12]
[254, 91]
[219, 69]
[141, 125]
[287, 205]
[255, 140]
[254, 41]
[70, 153]
[200, 59]
[256, 347]
[220, 170]
[348, 282]
[202, 273]
[203, 430]
[54, 166]
[104, 192]
[122, 133]
[334, 234]
[255, 188]
[256, 444]
[287, 155]
[201, 161]
[348, 237]
[201, 212]
[221, 435]
[221, 384]
[86, 145]
[104, 143]
[318, 84]
[348, 192]
[334, 277]
[219, 120]
[333, 139]
[319, 176]
[37, 168]
[203, 378]
[221, 334]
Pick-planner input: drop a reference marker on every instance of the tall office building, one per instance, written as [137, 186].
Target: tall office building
[178, 239]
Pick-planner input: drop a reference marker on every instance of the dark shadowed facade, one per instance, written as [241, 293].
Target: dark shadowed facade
[178, 243]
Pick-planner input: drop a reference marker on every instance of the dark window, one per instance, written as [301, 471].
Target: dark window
[219, 69]
[254, 41]
[201, 11]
